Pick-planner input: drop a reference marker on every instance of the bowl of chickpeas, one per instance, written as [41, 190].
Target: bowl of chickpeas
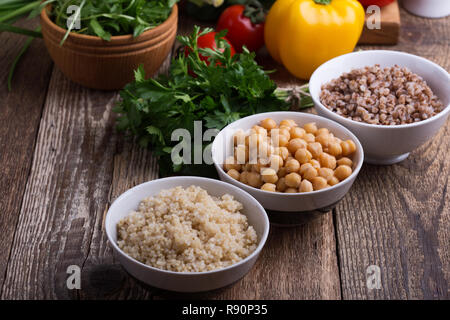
[289, 161]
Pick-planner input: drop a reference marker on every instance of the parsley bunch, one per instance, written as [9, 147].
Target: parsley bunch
[217, 93]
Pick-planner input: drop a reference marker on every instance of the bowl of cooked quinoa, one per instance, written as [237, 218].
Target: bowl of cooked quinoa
[187, 234]
[392, 101]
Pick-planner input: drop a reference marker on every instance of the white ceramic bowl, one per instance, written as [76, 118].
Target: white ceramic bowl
[287, 202]
[385, 145]
[186, 281]
[428, 8]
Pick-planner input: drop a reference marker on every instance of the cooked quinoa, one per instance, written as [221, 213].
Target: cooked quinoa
[187, 230]
[385, 96]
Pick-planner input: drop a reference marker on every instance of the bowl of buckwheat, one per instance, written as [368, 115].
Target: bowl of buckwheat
[392, 101]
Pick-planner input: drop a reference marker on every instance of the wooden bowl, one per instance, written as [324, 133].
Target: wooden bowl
[108, 65]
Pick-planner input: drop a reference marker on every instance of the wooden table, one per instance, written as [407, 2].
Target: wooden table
[62, 164]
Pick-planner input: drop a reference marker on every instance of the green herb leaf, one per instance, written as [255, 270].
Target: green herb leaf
[220, 92]
[98, 30]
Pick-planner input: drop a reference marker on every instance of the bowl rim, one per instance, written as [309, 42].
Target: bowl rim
[325, 65]
[120, 38]
[261, 242]
[282, 194]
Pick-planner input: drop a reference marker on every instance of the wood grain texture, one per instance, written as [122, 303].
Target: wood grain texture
[66, 192]
[20, 113]
[398, 217]
[389, 26]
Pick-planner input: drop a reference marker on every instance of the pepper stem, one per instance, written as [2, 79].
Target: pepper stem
[324, 2]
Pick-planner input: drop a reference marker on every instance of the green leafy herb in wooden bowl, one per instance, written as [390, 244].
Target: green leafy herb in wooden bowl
[102, 18]
[110, 18]
[216, 93]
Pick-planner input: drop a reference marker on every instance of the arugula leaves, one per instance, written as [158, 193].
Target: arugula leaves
[106, 18]
[217, 94]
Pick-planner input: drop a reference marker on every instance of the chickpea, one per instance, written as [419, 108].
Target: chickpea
[310, 173]
[234, 174]
[281, 185]
[315, 148]
[268, 124]
[268, 187]
[323, 139]
[239, 137]
[230, 163]
[345, 161]
[264, 151]
[293, 180]
[337, 140]
[285, 132]
[288, 123]
[322, 131]
[243, 177]
[326, 173]
[342, 172]
[292, 165]
[276, 162]
[254, 179]
[306, 186]
[283, 126]
[310, 127]
[282, 172]
[260, 130]
[297, 132]
[283, 152]
[319, 183]
[269, 175]
[241, 154]
[315, 164]
[247, 167]
[283, 140]
[309, 137]
[333, 181]
[348, 147]
[327, 161]
[334, 149]
[303, 155]
[253, 140]
[296, 144]
[258, 166]
[305, 167]
[288, 158]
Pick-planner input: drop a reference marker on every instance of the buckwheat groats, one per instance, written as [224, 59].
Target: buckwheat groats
[382, 96]
[287, 158]
[187, 230]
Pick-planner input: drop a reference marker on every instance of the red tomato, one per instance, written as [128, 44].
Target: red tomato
[241, 30]
[209, 41]
[380, 3]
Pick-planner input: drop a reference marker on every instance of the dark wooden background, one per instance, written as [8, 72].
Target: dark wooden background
[62, 164]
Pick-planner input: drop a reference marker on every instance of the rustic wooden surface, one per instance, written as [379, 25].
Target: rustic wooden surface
[389, 26]
[63, 164]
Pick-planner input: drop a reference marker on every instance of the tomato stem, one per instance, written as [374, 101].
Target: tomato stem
[254, 10]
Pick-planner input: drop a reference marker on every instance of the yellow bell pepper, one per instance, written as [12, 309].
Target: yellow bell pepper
[303, 34]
